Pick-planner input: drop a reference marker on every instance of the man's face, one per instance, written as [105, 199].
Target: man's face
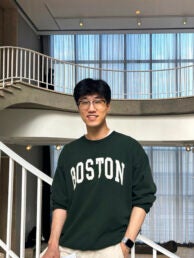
[93, 110]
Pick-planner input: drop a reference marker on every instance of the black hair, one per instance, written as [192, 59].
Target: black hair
[90, 86]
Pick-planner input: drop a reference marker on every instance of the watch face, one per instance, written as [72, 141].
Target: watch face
[128, 242]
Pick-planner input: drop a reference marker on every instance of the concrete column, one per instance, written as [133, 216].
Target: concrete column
[1, 26]
[10, 23]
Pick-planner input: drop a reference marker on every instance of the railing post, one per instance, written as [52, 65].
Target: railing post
[38, 71]
[12, 61]
[16, 62]
[3, 67]
[23, 213]
[133, 252]
[154, 253]
[25, 64]
[10, 206]
[21, 63]
[34, 65]
[29, 67]
[8, 63]
[38, 218]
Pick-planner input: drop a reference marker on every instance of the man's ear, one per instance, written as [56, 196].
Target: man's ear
[109, 107]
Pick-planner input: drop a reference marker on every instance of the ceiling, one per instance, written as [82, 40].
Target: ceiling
[57, 16]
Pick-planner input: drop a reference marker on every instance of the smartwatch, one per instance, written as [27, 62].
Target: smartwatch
[128, 242]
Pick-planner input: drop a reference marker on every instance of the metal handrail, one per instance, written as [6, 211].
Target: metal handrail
[37, 69]
[41, 177]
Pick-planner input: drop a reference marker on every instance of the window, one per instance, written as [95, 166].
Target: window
[171, 217]
[137, 66]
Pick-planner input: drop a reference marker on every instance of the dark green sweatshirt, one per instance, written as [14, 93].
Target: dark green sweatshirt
[98, 183]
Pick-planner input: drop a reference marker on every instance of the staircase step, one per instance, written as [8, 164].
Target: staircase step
[16, 87]
[1, 93]
[7, 90]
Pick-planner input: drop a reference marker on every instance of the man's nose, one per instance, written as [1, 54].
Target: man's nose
[91, 106]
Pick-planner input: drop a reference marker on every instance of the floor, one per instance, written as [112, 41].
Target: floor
[182, 252]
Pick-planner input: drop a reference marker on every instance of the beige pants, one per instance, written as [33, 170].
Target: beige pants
[109, 252]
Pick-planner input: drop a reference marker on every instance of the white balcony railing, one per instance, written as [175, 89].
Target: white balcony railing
[43, 71]
[41, 177]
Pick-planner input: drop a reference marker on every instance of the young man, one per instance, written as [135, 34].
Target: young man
[102, 187]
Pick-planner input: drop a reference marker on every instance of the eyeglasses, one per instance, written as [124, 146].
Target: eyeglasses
[97, 103]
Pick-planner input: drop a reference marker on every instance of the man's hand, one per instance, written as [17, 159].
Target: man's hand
[58, 220]
[125, 250]
[51, 252]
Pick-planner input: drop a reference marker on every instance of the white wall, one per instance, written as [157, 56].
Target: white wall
[48, 125]
[26, 37]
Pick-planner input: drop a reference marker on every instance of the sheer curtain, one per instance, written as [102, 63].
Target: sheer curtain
[172, 216]
[135, 63]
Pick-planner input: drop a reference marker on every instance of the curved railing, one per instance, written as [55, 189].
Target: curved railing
[46, 72]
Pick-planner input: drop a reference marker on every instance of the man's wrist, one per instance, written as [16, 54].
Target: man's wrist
[125, 249]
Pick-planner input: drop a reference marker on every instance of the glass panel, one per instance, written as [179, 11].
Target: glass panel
[112, 47]
[64, 47]
[163, 46]
[114, 79]
[185, 42]
[137, 47]
[163, 80]
[85, 71]
[138, 83]
[87, 47]
[185, 80]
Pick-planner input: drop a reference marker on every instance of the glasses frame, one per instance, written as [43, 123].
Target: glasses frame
[93, 102]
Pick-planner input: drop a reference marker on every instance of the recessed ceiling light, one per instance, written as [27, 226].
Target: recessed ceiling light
[184, 21]
[81, 23]
[139, 22]
[28, 147]
[188, 148]
[137, 12]
[58, 147]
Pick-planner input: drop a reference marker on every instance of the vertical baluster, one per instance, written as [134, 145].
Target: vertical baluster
[23, 213]
[54, 80]
[38, 218]
[29, 66]
[25, 64]
[3, 67]
[43, 70]
[46, 73]
[38, 71]
[8, 63]
[154, 253]
[133, 252]
[33, 73]
[16, 62]
[21, 63]
[10, 206]
[51, 72]
[12, 60]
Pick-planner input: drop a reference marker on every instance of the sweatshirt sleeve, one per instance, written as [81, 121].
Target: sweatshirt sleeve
[144, 188]
[59, 197]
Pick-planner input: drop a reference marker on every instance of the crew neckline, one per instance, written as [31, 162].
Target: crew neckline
[99, 140]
